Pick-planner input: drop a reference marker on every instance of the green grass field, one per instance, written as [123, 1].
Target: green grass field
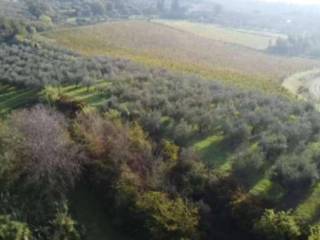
[246, 38]
[309, 209]
[157, 45]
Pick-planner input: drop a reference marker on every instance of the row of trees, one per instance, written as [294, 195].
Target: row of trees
[58, 10]
[37, 66]
[297, 46]
[43, 14]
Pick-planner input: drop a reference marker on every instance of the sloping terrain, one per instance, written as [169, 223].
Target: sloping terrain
[305, 85]
[162, 46]
[251, 39]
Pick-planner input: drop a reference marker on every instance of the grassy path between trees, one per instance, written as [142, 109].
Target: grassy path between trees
[12, 98]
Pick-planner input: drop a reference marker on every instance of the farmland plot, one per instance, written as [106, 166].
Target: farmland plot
[157, 45]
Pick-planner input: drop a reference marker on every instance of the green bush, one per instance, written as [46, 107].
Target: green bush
[65, 226]
[296, 171]
[13, 230]
[168, 218]
[314, 232]
[278, 226]
[249, 163]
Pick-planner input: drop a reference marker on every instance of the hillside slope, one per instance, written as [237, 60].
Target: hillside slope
[258, 40]
[162, 46]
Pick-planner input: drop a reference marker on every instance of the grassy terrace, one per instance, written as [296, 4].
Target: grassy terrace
[306, 206]
[214, 153]
[92, 96]
[12, 98]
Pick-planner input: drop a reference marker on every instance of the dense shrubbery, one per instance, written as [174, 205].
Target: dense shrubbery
[314, 232]
[278, 226]
[11, 29]
[168, 218]
[64, 226]
[155, 190]
[39, 163]
[13, 230]
[152, 188]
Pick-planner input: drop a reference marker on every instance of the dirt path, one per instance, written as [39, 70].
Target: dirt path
[306, 85]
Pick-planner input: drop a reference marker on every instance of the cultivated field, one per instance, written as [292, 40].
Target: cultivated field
[251, 39]
[163, 46]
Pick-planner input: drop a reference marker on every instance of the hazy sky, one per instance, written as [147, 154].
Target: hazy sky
[296, 1]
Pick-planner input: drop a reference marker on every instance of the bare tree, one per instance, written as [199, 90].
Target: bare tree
[46, 153]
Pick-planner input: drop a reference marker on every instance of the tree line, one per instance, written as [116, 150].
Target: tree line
[35, 65]
[295, 45]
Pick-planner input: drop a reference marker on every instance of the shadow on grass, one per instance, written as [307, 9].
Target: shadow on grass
[213, 152]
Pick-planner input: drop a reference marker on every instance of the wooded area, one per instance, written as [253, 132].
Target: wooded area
[135, 150]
